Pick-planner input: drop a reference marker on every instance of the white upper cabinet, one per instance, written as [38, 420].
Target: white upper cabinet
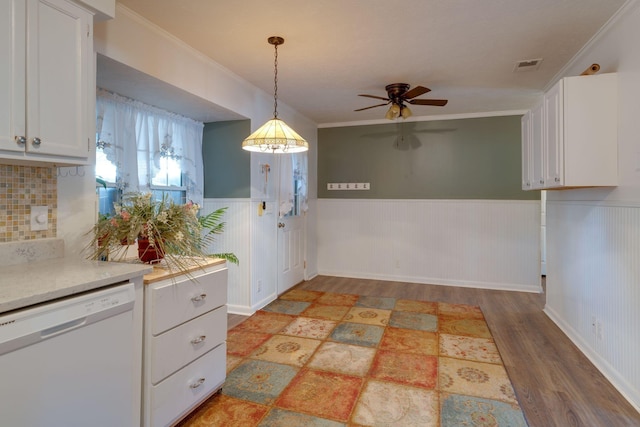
[578, 135]
[46, 82]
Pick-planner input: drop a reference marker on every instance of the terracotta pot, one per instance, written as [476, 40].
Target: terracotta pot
[149, 254]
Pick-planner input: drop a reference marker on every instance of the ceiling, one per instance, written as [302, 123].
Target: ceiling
[463, 50]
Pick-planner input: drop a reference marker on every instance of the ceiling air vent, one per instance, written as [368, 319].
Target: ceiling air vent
[527, 65]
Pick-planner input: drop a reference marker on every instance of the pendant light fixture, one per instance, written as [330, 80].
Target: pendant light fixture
[275, 136]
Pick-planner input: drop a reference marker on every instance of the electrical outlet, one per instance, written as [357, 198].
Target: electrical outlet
[259, 286]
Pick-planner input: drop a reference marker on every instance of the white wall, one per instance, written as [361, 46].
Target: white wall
[236, 239]
[76, 208]
[490, 244]
[593, 235]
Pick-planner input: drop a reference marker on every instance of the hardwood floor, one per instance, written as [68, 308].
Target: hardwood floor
[555, 383]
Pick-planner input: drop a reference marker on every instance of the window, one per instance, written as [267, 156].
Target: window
[167, 181]
[293, 185]
[143, 148]
[106, 176]
[296, 209]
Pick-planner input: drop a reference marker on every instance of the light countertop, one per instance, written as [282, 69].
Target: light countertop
[26, 284]
[160, 272]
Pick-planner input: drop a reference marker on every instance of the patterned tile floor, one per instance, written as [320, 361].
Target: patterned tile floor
[327, 360]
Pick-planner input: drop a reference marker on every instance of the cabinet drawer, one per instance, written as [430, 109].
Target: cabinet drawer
[174, 303]
[179, 393]
[177, 347]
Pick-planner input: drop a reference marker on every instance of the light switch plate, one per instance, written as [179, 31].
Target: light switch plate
[39, 218]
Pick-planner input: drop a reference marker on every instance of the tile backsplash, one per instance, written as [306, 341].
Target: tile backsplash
[20, 188]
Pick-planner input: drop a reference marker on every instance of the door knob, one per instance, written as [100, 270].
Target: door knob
[281, 225]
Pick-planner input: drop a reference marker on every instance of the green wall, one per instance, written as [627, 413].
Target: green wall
[227, 166]
[448, 159]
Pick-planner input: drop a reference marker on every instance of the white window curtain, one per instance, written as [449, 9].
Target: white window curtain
[293, 180]
[139, 135]
[115, 127]
[300, 169]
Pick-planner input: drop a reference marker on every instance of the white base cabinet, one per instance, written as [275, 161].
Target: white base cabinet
[571, 138]
[185, 332]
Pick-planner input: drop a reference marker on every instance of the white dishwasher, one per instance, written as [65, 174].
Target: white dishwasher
[69, 362]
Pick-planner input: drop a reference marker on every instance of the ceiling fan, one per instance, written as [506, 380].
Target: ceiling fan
[398, 94]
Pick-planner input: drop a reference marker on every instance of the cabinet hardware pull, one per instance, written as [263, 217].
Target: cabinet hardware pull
[281, 225]
[21, 140]
[557, 179]
[37, 141]
[197, 383]
[200, 297]
[198, 340]
[542, 181]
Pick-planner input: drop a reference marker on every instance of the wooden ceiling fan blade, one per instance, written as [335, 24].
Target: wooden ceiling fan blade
[375, 97]
[416, 91]
[373, 106]
[436, 102]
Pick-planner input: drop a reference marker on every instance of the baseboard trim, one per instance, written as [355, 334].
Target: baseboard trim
[242, 310]
[614, 377]
[438, 281]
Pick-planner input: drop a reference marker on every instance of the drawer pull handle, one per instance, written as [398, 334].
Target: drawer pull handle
[198, 340]
[197, 383]
[200, 297]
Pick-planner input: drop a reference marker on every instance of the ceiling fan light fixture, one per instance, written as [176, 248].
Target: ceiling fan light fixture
[393, 112]
[275, 136]
[399, 94]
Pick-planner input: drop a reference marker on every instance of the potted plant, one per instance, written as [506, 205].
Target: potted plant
[163, 230]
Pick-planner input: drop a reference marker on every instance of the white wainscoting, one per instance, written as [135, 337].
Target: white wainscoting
[236, 239]
[311, 254]
[593, 285]
[492, 244]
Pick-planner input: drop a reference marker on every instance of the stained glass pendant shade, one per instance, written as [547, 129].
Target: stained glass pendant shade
[275, 136]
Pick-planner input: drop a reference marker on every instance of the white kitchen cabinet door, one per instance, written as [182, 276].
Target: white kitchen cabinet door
[553, 137]
[13, 19]
[532, 150]
[58, 55]
[537, 149]
[525, 124]
[45, 77]
[590, 130]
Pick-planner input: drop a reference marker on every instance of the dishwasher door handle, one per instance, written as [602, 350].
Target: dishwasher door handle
[64, 327]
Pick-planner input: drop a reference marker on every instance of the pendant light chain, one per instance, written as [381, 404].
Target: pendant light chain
[275, 136]
[275, 83]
